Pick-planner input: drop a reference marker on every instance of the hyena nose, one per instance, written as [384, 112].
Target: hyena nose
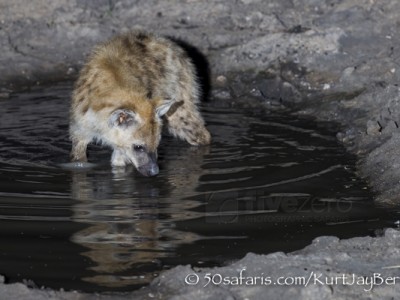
[154, 170]
[149, 169]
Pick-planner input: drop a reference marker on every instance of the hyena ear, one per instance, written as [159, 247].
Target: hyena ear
[122, 117]
[164, 107]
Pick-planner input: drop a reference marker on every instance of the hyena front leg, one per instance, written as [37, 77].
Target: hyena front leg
[186, 123]
[78, 152]
[118, 159]
[79, 145]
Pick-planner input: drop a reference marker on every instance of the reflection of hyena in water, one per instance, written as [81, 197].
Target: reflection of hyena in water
[127, 86]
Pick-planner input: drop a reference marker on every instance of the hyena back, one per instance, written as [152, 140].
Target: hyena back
[127, 87]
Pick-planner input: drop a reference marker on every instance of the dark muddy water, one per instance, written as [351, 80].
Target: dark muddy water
[267, 183]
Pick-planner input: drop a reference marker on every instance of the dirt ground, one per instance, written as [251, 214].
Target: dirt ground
[332, 59]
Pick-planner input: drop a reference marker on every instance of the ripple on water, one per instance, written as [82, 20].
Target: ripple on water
[267, 183]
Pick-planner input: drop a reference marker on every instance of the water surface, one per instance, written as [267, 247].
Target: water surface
[269, 182]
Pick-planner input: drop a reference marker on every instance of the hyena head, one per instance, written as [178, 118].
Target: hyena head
[137, 134]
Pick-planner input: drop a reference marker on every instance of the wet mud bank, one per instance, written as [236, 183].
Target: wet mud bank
[333, 60]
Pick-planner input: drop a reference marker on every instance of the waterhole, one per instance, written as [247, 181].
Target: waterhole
[268, 182]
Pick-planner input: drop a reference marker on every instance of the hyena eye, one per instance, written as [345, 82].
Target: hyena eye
[138, 148]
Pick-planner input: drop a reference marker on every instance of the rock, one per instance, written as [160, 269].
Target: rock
[221, 80]
[373, 128]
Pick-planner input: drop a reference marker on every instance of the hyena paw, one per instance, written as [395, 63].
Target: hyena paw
[202, 138]
[75, 157]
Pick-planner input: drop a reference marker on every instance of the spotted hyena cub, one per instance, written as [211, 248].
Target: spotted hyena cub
[127, 88]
